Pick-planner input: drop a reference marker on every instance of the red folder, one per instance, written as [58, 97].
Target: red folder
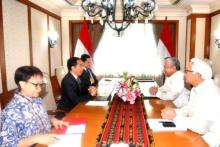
[72, 121]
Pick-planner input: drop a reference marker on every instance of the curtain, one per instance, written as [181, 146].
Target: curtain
[95, 32]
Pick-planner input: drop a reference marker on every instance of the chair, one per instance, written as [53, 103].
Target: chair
[48, 97]
[217, 80]
[60, 73]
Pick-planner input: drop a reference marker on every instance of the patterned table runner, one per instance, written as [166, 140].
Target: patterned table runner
[125, 123]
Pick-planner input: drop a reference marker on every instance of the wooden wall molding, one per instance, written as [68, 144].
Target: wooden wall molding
[30, 35]
[193, 18]
[27, 2]
[207, 37]
[71, 38]
[49, 57]
[215, 13]
[2, 58]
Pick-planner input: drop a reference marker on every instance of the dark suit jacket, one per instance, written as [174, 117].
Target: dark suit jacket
[71, 94]
[85, 78]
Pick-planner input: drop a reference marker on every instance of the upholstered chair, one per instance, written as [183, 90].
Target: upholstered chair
[48, 97]
[217, 80]
[60, 72]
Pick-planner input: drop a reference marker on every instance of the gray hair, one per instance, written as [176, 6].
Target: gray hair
[173, 61]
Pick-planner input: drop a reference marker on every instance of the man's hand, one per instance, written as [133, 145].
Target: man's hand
[92, 90]
[168, 113]
[153, 90]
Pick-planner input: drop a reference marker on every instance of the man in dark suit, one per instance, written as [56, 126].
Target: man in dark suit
[71, 86]
[88, 77]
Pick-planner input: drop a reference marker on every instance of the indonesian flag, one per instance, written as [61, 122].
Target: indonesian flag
[165, 44]
[84, 43]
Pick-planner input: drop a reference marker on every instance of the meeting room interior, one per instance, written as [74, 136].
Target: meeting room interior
[109, 73]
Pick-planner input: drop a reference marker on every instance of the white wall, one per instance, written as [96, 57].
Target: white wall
[55, 53]
[15, 24]
[40, 41]
[200, 37]
[214, 50]
[172, 15]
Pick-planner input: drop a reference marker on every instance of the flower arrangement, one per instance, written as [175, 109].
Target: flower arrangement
[128, 89]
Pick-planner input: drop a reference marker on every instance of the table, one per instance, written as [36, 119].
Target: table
[95, 116]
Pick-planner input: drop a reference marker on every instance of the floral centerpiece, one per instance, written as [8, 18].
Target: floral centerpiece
[128, 89]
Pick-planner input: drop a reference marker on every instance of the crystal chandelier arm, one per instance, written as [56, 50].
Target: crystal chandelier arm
[142, 11]
[91, 9]
[133, 11]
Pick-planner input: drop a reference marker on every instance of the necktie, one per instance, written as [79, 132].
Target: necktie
[91, 77]
[79, 83]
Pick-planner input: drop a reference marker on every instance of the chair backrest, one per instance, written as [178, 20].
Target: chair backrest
[60, 73]
[47, 94]
[217, 80]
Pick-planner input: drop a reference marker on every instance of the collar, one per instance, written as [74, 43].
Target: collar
[75, 76]
[176, 74]
[20, 96]
[202, 87]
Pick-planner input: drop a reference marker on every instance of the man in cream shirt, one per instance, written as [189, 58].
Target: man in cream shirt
[173, 88]
[202, 113]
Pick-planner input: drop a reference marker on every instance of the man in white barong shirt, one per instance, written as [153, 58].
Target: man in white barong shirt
[202, 113]
[173, 88]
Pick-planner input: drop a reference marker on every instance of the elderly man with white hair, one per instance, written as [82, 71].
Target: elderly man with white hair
[173, 88]
[202, 114]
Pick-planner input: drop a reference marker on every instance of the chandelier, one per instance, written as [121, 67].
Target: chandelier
[132, 11]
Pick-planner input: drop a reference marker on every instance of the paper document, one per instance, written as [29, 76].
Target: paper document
[97, 103]
[70, 140]
[74, 129]
[145, 85]
[157, 125]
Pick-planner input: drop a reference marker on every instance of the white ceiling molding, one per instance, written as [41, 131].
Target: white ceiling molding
[204, 9]
[214, 6]
[48, 5]
[171, 12]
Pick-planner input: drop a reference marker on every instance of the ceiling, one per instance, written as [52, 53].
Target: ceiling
[182, 3]
[70, 4]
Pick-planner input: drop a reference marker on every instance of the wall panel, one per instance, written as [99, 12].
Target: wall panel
[39, 40]
[15, 24]
[200, 37]
[214, 50]
[55, 53]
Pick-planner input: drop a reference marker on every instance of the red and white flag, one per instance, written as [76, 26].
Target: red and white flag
[165, 44]
[84, 43]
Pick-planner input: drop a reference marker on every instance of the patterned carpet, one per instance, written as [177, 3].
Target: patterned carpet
[125, 123]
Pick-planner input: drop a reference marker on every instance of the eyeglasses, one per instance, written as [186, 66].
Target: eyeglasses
[37, 85]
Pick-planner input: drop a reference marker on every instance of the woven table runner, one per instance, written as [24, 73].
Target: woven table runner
[125, 123]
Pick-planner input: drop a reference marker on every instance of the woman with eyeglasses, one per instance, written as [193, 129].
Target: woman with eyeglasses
[24, 121]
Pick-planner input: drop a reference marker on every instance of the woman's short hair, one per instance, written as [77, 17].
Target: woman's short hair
[24, 73]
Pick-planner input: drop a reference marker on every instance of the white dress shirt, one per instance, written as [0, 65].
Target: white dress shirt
[173, 89]
[202, 114]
